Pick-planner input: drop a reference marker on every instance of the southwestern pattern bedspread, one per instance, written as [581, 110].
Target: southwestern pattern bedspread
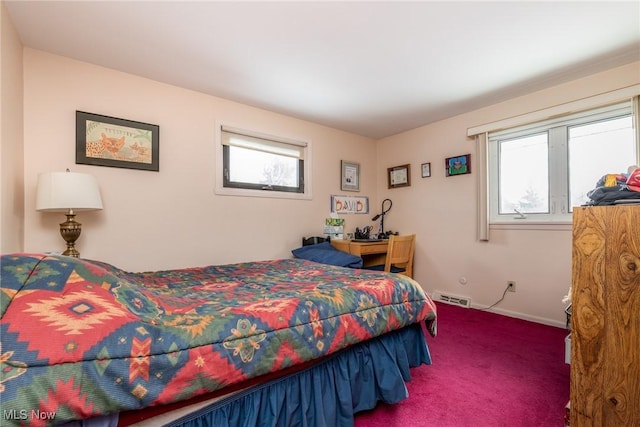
[82, 338]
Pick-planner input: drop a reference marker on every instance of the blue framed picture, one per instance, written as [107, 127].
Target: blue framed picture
[458, 165]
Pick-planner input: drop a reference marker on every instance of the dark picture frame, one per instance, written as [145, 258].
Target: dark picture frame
[458, 165]
[111, 141]
[399, 176]
[349, 176]
[426, 170]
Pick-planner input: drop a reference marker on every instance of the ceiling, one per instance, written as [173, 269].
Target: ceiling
[371, 68]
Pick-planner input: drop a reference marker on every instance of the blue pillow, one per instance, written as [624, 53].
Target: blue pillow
[325, 253]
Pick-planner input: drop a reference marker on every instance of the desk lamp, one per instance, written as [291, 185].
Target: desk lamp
[68, 192]
[381, 216]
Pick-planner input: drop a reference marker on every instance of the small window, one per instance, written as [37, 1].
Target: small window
[256, 162]
[540, 171]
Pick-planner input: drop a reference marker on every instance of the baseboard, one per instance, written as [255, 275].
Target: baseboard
[517, 315]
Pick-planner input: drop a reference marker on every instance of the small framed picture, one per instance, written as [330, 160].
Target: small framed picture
[458, 165]
[399, 176]
[110, 141]
[426, 170]
[350, 176]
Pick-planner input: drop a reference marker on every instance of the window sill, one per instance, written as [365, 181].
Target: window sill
[243, 192]
[532, 225]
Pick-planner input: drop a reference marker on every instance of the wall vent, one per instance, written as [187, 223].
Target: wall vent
[451, 299]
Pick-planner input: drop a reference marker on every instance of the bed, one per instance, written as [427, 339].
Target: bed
[285, 342]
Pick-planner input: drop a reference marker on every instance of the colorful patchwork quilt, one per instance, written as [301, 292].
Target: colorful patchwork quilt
[83, 338]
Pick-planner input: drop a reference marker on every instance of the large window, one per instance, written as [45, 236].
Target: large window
[540, 171]
[262, 164]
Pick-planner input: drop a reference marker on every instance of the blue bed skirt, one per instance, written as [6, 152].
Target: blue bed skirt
[328, 393]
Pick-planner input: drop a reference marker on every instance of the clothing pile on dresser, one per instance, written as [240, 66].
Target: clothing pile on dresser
[617, 188]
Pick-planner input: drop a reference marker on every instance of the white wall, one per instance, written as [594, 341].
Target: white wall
[442, 211]
[11, 137]
[171, 218]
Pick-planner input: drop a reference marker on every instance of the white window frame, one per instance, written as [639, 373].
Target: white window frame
[559, 209]
[479, 134]
[220, 189]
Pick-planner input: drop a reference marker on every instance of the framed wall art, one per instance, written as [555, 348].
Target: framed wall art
[109, 141]
[399, 176]
[349, 176]
[426, 170]
[458, 165]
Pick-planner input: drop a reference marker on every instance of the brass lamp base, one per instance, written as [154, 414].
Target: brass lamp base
[70, 231]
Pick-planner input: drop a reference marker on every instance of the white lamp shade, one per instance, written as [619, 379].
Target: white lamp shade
[61, 191]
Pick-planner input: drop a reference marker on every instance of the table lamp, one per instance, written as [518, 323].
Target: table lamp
[68, 192]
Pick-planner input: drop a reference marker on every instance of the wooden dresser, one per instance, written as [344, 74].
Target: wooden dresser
[605, 317]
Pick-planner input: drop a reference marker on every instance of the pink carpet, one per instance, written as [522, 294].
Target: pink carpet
[488, 370]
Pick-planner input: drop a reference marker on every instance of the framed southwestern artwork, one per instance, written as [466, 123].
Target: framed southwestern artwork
[109, 141]
[458, 165]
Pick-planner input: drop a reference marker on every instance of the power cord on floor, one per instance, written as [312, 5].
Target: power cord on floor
[499, 301]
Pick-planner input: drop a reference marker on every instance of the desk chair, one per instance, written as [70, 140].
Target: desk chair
[399, 255]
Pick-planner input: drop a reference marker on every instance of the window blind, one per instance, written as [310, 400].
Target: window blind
[242, 139]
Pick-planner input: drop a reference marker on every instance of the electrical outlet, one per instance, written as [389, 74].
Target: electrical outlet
[511, 286]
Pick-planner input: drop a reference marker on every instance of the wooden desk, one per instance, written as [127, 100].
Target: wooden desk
[372, 253]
